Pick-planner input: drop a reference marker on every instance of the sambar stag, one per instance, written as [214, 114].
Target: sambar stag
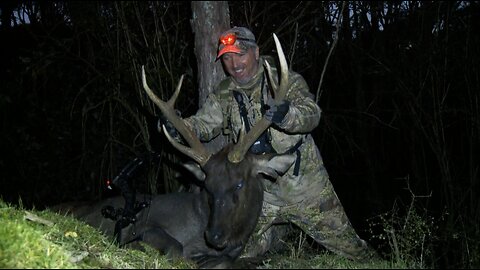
[212, 226]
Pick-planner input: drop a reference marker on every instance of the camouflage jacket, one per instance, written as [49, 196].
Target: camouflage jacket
[221, 113]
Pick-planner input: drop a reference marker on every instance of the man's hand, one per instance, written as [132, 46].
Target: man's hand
[277, 111]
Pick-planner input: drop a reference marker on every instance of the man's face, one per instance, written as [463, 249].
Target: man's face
[242, 66]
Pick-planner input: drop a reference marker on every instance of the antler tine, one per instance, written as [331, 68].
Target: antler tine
[198, 152]
[199, 157]
[240, 149]
[279, 93]
[171, 101]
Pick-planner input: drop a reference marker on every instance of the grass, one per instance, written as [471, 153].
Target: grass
[325, 260]
[43, 239]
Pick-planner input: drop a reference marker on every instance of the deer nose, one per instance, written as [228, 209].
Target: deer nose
[215, 238]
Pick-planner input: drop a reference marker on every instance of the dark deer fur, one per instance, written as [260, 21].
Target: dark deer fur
[210, 227]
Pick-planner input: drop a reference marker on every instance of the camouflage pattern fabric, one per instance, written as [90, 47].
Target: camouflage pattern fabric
[308, 199]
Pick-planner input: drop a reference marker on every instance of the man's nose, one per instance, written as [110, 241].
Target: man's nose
[235, 61]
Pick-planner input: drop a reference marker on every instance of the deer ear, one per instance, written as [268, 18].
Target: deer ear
[275, 166]
[195, 169]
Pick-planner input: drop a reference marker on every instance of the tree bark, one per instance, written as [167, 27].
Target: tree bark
[209, 20]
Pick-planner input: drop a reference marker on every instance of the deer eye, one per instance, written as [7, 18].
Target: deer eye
[239, 185]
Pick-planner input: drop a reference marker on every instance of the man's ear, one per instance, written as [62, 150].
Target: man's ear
[195, 169]
[257, 53]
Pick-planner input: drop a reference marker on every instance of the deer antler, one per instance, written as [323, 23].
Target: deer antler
[246, 140]
[197, 152]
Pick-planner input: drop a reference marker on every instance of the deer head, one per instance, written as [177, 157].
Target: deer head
[197, 151]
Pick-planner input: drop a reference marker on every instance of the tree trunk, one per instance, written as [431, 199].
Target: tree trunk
[209, 20]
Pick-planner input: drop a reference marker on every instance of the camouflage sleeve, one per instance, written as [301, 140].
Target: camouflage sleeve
[304, 114]
[208, 121]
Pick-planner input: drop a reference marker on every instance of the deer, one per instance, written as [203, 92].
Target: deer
[210, 227]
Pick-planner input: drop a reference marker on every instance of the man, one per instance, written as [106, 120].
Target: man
[304, 195]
